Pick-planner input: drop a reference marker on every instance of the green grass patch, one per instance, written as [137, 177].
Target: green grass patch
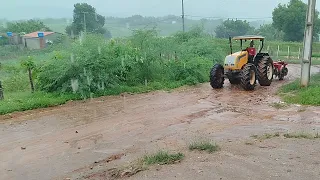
[204, 145]
[294, 93]
[279, 105]
[302, 135]
[22, 101]
[163, 157]
[266, 136]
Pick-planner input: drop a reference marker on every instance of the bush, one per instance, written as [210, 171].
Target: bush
[139, 60]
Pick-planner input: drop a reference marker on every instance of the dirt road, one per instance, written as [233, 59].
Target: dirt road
[66, 141]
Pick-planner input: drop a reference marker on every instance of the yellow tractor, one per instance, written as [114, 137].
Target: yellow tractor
[244, 67]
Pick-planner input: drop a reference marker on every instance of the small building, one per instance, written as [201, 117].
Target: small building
[33, 41]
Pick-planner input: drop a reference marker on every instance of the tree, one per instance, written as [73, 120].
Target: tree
[27, 26]
[270, 32]
[29, 65]
[291, 19]
[233, 28]
[86, 19]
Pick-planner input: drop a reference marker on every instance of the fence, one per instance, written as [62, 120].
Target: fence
[287, 52]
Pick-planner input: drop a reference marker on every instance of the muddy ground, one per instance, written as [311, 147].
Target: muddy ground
[84, 140]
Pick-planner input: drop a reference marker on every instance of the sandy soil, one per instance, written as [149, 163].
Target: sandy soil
[83, 140]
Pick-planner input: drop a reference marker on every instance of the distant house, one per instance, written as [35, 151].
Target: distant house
[33, 41]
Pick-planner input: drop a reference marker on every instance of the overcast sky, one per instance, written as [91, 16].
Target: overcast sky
[26, 9]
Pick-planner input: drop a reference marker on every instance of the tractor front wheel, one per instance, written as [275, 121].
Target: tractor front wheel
[217, 76]
[265, 71]
[248, 77]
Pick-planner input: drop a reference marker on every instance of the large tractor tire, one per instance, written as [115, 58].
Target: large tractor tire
[217, 76]
[265, 71]
[248, 77]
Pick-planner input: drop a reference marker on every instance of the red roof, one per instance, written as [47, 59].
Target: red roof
[35, 34]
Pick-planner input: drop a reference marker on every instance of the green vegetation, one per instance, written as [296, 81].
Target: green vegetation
[141, 63]
[294, 93]
[302, 135]
[295, 135]
[279, 105]
[204, 145]
[142, 164]
[233, 28]
[26, 26]
[266, 136]
[291, 19]
[163, 157]
[94, 23]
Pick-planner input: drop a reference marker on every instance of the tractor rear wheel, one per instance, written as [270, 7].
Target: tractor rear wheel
[248, 77]
[217, 76]
[265, 71]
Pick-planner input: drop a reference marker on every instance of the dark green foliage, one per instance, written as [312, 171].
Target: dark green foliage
[139, 60]
[291, 19]
[233, 28]
[94, 23]
[26, 26]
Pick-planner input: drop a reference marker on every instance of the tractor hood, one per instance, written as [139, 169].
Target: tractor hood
[232, 60]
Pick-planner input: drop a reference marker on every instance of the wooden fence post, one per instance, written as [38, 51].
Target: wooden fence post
[299, 53]
[278, 52]
[288, 52]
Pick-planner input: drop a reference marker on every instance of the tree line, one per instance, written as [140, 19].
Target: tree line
[288, 24]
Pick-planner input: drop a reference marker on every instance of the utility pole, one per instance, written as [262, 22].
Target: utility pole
[183, 24]
[307, 44]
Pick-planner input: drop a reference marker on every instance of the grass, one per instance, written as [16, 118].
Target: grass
[204, 145]
[302, 135]
[163, 157]
[293, 93]
[22, 101]
[142, 164]
[295, 135]
[279, 105]
[266, 136]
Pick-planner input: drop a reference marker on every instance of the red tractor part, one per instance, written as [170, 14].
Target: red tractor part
[280, 69]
